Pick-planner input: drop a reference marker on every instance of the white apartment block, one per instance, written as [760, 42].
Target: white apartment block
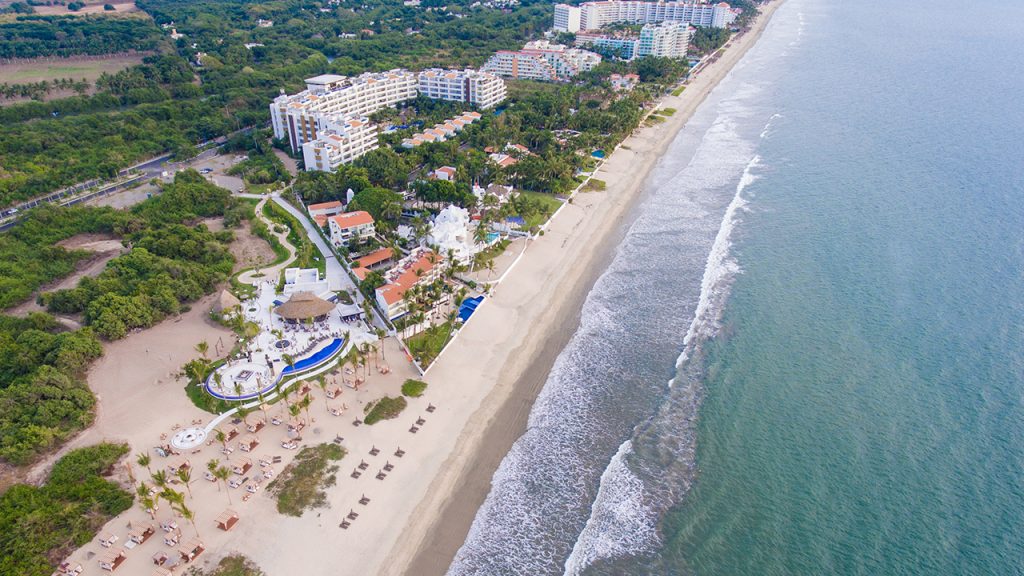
[567, 18]
[625, 48]
[340, 143]
[350, 225]
[594, 15]
[542, 60]
[667, 39]
[480, 89]
[328, 99]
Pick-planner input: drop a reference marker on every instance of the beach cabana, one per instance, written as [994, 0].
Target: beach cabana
[249, 443]
[140, 534]
[69, 568]
[256, 426]
[161, 558]
[241, 466]
[111, 560]
[304, 306]
[333, 391]
[169, 525]
[162, 572]
[190, 550]
[107, 539]
[227, 519]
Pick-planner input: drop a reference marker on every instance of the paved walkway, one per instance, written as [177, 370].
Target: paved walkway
[257, 275]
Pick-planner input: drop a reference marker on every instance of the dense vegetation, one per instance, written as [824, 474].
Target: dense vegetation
[40, 526]
[171, 262]
[158, 107]
[62, 36]
[386, 408]
[301, 485]
[43, 399]
[29, 256]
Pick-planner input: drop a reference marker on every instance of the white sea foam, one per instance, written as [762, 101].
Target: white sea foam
[620, 522]
[535, 519]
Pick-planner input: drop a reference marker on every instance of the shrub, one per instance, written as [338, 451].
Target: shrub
[301, 484]
[385, 409]
[414, 388]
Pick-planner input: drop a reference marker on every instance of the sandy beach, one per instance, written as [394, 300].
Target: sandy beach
[482, 388]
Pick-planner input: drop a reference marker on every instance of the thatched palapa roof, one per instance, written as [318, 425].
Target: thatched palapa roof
[304, 305]
[225, 301]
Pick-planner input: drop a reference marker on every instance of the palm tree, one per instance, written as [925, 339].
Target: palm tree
[305, 406]
[381, 334]
[144, 461]
[221, 437]
[294, 410]
[243, 413]
[322, 383]
[185, 475]
[160, 479]
[203, 348]
[147, 501]
[263, 407]
[212, 467]
[222, 473]
[187, 514]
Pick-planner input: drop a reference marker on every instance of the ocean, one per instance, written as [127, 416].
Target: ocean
[807, 355]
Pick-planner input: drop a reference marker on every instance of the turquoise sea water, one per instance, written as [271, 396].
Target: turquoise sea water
[808, 354]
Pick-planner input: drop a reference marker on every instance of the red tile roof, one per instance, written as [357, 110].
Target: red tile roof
[375, 257]
[353, 219]
[324, 205]
[394, 291]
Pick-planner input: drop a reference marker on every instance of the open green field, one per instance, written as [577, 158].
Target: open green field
[78, 68]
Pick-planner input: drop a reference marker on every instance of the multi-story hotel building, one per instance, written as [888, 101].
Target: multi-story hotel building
[667, 39]
[480, 89]
[328, 121]
[339, 142]
[594, 15]
[541, 60]
[328, 99]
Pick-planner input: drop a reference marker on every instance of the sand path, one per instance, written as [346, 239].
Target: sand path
[257, 275]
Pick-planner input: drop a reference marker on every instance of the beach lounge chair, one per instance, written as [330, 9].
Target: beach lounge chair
[107, 539]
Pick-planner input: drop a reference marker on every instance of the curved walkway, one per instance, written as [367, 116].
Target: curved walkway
[256, 275]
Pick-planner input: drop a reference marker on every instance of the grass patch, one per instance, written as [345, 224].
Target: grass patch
[594, 185]
[550, 204]
[414, 388]
[426, 345]
[344, 297]
[491, 252]
[386, 408]
[301, 485]
[666, 111]
[235, 565]
[41, 525]
[678, 91]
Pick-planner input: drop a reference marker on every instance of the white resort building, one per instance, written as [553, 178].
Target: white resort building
[480, 89]
[350, 225]
[329, 100]
[542, 60]
[452, 233]
[594, 15]
[328, 121]
[668, 39]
